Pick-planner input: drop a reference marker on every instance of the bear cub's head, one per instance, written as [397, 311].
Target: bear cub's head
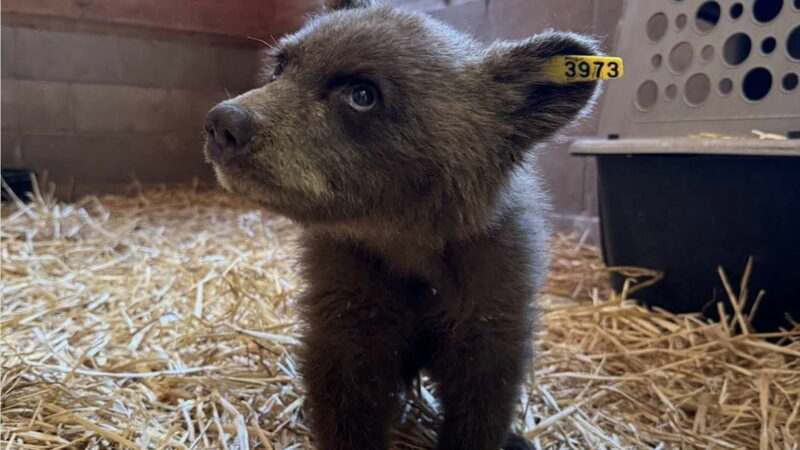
[372, 114]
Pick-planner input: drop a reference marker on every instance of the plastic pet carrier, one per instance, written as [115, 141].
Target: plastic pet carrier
[686, 180]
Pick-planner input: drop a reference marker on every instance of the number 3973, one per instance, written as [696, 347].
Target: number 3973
[593, 71]
[577, 68]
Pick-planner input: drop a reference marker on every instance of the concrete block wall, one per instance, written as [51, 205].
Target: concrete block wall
[98, 108]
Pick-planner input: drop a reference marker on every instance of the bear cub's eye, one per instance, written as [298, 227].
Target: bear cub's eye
[362, 97]
[280, 64]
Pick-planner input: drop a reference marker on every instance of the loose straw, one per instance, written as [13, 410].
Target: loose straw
[166, 320]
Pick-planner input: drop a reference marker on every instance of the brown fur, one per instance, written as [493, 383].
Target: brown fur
[424, 241]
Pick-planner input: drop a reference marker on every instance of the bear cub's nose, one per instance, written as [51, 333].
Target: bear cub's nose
[229, 129]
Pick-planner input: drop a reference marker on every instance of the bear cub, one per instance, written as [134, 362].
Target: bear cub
[402, 148]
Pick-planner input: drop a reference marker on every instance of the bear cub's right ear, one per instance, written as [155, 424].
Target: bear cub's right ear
[538, 105]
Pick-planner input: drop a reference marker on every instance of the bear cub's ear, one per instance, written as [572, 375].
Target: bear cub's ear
[332, 5]
[536, 104]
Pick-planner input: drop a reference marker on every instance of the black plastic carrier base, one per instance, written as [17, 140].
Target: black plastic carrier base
[686, 214]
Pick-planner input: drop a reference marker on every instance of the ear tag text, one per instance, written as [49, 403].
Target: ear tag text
[576, 68]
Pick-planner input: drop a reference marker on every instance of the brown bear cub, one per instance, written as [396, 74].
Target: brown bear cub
[400, 146]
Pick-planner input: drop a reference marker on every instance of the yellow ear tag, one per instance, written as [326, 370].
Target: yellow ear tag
[576, 68]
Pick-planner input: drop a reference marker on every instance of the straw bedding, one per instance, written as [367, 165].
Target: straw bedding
[165, 320]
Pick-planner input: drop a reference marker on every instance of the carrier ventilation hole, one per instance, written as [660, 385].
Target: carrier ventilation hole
[707, 53]
[756, 84]
[736, 10]
[766, 10]
[656, 61]
[725, 86]
[789, 81]
[736, 49]
[793, 43]
[707, 16]
[680, 21]
[646, 95]
[680, 57]
[657, 27]
[697, 89]
[768, 45]
[670, 92]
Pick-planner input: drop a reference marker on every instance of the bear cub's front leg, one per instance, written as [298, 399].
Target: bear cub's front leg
[352, 393]
[355, 349]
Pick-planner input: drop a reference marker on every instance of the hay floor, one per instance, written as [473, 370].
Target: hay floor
[166, 321]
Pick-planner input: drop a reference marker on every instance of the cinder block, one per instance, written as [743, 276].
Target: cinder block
[143, 62]
[239, 69]
[183, 161]
[606, 17]
[563, 177]
[38, 106]
[8, 97]
[186, 110]
[518, 19]
[428, 6]
[192, 66]
[120, 109]
[61, 56]
[11, 150]
[74, 159]
[7, 39]
[73, 192]
[150, 62]
[125, 189]
[470, 18]
[94, 159]
[571, 15]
